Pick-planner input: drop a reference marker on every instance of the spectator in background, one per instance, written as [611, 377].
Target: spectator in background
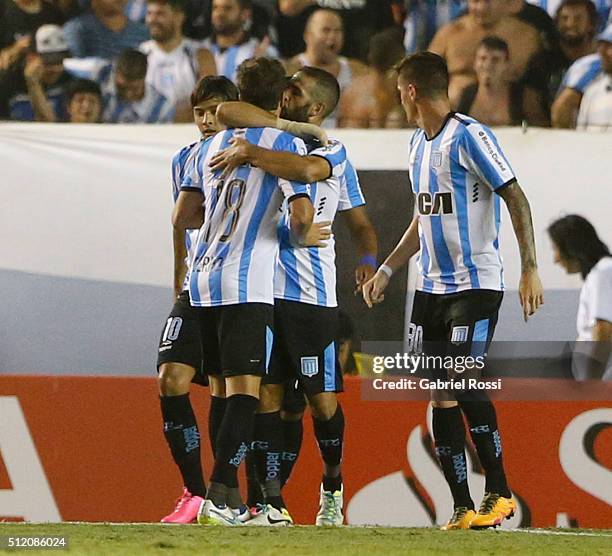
[578, 249]
[36, 90]
[576, 22]
[585, 99]
[84, 103]
[424, 17]
[324, 37]
[602, 7]
[372, 100]
[104, 31]
[19, 21]
[361, 20]
[494, 99]
[231, 43]
[174, 63]
[458, 41]
[126, 96]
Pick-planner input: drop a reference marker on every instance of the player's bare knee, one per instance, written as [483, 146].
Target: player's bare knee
[174, 379]
[291, 417]
[323, 406]
[217, 386]
[270, 398]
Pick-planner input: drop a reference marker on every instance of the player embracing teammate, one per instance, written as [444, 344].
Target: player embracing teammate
[458, 174]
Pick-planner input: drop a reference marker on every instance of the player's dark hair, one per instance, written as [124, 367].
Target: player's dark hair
[82, 86]
[427, 72]
[261, 81]
[132, 64]
[495, 43]
[588, 5]
[212, 86]
[326, 88]
[386, 49]
[576, 239]
[176, 5]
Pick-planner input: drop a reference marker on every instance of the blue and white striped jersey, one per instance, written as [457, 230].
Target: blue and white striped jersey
[153, 108]
[228, 59]
[238, 244]
[308, 274]
[602, 6]
[454, 176]
[582, 73]
[182, 165]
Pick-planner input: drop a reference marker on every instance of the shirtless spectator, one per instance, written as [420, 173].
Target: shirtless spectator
[585, 100]
[458, 41]
[495, 100]
[174, 63]
[324, 38]
[372, 100]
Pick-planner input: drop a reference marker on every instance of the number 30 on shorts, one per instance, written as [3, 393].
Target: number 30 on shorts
[173, 329]
[414, 339]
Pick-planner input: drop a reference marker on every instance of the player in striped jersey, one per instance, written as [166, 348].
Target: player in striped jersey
[458, 172]
[179, 355]
[232, 274]
[305, 304]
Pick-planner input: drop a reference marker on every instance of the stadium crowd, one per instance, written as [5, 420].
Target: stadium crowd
[512, 62]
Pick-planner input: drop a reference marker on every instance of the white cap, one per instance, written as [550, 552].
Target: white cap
[50, 40]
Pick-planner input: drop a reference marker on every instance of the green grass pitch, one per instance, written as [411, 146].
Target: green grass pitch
[141, 539]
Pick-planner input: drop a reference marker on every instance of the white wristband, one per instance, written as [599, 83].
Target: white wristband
[386, 269]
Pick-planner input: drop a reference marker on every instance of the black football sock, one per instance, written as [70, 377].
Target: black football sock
[449, 436]
[330, 437]
[254, 492]
[183, 437]
[293, 432]
[267, 448]
[215, 416]
[485, 435]
[234, 437]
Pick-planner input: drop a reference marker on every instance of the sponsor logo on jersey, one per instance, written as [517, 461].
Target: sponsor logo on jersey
[492, 152]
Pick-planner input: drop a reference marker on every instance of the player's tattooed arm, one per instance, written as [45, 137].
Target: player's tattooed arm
[531, 293]
[286, 165]
[373, 289]
[243, 114]
[365, 240]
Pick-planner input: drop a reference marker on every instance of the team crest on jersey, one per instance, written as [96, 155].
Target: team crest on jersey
[436, 159]
[310, 366]
[460, 335]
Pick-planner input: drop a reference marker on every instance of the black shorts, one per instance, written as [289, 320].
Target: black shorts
[180, 341]
[455, 324]
[305, 347]
[237, 339]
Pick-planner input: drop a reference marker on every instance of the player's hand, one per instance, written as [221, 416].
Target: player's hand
[373, 289]
[362, 274]
[531, 292]
[317, 235]
[305, 131]
[237, 154]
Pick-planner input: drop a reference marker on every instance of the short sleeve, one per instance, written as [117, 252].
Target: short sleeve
[350, 190]
[193, 174]
[335, 154]
[482, 155]
[581, 73]
[602, 294]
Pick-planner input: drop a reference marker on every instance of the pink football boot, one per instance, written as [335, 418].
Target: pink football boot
[186, 510]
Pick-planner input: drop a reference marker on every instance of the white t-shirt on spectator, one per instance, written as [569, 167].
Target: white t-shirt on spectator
[595, 299]
[596, 104]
